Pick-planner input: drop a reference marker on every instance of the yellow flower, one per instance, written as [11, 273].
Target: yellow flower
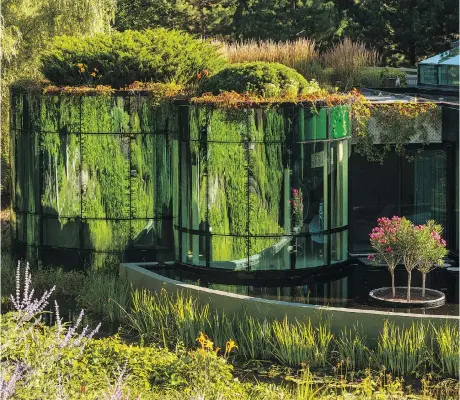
[82, 69]
[229, 345]
[79, 65]
[93, 74]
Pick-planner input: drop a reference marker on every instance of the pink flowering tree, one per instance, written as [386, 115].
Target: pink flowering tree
[432, 249]
[385, 243]
[410, 243]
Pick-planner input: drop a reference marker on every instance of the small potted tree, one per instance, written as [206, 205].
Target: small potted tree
[409, 245]
[384, 241]
[432, 251]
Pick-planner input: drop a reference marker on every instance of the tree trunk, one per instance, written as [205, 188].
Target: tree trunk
[423, 284]
[393, 290]
[409, 278]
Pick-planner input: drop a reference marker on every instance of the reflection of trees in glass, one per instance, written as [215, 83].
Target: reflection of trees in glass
[234, 167]
[107, 177]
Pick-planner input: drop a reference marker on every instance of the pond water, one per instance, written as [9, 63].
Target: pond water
[349, 290]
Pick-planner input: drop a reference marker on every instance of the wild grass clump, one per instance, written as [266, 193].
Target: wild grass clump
[351, 346]
[296, 343]
[404, 351]
[105, 295]
[345, 63]
[298, 54]
[348, 59]
[447, 349]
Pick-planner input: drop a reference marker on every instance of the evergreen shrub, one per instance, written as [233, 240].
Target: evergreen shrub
[121, 58]
[262, 78]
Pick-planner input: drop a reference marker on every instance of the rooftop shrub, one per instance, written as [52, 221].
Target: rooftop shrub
[121, 58]
[375, 77]
[261, 78]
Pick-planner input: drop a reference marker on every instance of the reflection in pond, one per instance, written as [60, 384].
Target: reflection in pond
[349, 290]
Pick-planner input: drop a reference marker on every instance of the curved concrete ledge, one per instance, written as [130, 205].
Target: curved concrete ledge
[433, 298]
[370, 321]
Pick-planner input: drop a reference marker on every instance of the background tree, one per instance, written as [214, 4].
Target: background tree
[27, 26]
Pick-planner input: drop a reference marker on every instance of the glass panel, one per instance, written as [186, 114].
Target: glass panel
[175, 194]
[270, 253]
[103, 114]
[339, 184]
[229, 125]
[428, 74]
[310, 179]
[105, 176]
[195, 248]
[61, 171]
[268, 197]
[21, 227]
[228, 189]
[61, 232]
[103, 235]
[229, 252]
[339, 122]
[150, 176]
[375, 192]
[430, 188]
[455, 245]
[27, 188]
[339, 247]
[310, 251]
[312, 124]
[448, 75]
[33, 230]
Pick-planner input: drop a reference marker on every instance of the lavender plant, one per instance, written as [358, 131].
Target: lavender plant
[115, 391]
[8, 387]
[70, 338]
[25, 305]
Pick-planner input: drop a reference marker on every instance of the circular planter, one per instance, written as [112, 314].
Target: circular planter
[383, 296]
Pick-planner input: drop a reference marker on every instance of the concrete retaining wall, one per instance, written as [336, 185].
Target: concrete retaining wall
[369, 321]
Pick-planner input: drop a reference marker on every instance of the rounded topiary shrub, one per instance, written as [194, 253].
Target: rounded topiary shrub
[262, 78]
[121, 58]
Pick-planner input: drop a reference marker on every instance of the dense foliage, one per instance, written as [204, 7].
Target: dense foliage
[119, 59]
[266, 79]
[402, 31]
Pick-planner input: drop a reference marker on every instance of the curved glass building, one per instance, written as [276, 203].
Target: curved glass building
[261, 188]
[91, 178]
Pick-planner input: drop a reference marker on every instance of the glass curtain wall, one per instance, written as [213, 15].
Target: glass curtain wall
[92, 175]
[262, 189]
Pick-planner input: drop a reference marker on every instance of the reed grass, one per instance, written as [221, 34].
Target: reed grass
[348, 59]
[404, 351]
[298, 343]
[189, 318]
[447, 349]
[295, 54]
[253, 337]
[343, 63]
[104, 294]
[351, 347]
[170, 320]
